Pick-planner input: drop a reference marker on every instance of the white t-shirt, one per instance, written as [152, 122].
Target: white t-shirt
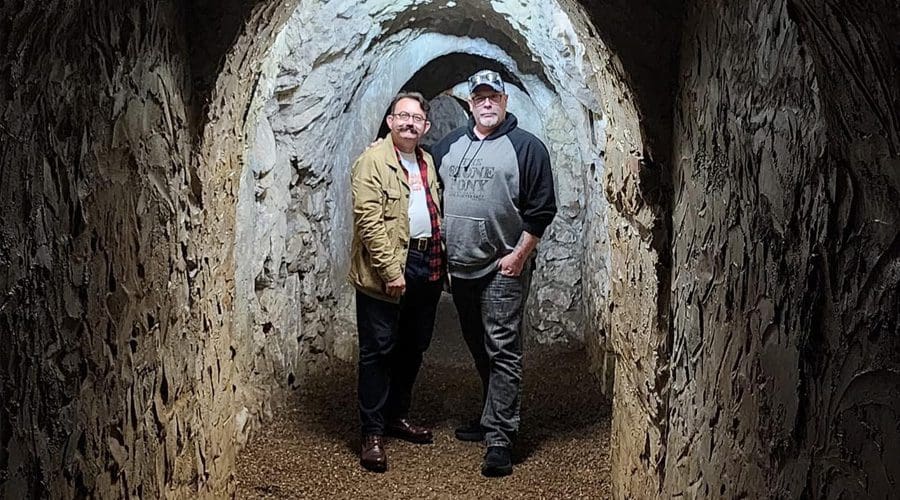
[419, 218]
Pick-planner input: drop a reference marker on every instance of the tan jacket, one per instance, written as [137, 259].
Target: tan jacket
[381, 218]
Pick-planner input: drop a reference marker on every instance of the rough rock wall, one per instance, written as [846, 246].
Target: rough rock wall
[285, 292]
[554, 310]
[595, 275]
[123, 376]
[97, 264]
[445, 115]
[631, 55]
[786, 304]
[271, 259]
[625, 287]
[850, 361]
[636, 315]
[235, 384]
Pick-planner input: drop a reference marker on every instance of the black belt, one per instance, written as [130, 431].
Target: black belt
[420, 244]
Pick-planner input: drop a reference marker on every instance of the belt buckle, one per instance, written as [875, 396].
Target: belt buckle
[421, 244]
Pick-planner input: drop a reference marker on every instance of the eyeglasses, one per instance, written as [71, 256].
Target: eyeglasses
[481, 99]
[404, 116]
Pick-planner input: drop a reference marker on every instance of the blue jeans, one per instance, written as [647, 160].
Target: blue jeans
[490, 314]
[392, 341]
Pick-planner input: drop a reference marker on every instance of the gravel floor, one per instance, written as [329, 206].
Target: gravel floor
[310, 448]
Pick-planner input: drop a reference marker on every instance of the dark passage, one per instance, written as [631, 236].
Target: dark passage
[310, 450]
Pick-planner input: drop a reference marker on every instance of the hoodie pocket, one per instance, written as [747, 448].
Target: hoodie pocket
[467, 241]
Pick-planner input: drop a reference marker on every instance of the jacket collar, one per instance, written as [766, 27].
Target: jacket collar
[387, 151]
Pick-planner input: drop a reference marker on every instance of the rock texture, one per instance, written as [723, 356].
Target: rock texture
[785, 308]
[626, 283]
[446, 114]
[166, 269]
[122, 377]
[99, 269]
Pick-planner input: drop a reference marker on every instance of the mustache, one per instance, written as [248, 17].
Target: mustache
[409, 128]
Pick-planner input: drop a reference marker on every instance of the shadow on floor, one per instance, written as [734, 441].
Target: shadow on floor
[564, 419]
[560, 396]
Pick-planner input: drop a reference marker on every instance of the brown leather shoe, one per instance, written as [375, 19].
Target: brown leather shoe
[373, 457]
[408, 432]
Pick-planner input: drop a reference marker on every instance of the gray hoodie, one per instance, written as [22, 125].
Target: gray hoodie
[493, 190]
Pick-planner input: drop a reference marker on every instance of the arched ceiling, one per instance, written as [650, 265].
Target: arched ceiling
[443, 72]
[469, 19]
[643, 38]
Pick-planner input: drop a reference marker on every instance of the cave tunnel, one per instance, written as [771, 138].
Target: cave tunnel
[715, 311]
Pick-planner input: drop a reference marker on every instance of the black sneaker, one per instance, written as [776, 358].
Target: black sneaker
[472, 431]
[497, 462]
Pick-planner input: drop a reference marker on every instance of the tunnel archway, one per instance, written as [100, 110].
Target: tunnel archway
[592, 123]
[444, 72]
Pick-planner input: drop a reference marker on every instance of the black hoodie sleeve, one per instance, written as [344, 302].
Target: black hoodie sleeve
[537, 195]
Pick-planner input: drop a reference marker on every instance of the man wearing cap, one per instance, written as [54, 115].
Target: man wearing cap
[397, 266]
[498, 201]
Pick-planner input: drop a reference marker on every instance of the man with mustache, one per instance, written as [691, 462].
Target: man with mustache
[397, 266]
[498, 201]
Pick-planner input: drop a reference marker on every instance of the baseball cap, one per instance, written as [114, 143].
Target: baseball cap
[486, 77]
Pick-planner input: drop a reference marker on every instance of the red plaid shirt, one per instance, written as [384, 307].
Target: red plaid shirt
[435, 249]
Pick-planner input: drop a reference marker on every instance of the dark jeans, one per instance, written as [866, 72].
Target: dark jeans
[392, 340]
[490, 314]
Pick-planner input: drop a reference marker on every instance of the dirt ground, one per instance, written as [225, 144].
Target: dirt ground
[310, 449]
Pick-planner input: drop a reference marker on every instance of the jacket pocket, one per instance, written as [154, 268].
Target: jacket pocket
[467, 241]
[391, 206]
